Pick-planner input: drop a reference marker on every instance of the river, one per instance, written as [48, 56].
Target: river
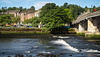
[57, 46]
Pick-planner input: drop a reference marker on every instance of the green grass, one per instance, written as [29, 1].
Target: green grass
[81, 34]
[93, 36]
[23, 32]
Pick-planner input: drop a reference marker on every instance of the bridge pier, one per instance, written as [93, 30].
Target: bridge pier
[92, 24]
[82, 26]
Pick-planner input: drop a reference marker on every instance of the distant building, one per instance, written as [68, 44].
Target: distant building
[23, 14]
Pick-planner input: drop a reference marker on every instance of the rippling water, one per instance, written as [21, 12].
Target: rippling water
[64, 46]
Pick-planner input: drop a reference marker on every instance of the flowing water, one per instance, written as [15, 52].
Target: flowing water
[57, 46]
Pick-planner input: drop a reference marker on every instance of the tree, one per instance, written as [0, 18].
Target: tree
[20, 8]
[33, 8]
[55, 16]
[46, 8]
[5, 19]
[34, 21]
[93, 8]
[15, 19]
[3, 9]
[86, 8]
[65, 5]
[98, 8]
[75, 10]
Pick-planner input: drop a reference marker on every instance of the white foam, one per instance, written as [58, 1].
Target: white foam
[60, 37]
[44, 52]
[63, 37]
[55, 36]
[90, 50]
[27, 51]
[65, 45]
[35, 46]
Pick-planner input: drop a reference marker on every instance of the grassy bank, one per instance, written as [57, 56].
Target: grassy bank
[28, 32]
[92, 37]
[24, 34]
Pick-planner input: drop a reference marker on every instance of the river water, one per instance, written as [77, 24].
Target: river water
[57, 46]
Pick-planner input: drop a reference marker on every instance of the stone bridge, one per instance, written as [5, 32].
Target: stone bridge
[88, 21]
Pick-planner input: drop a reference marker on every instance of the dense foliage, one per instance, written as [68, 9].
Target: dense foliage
[4, 9]
[75, 10]
[54, 16]
[15, 19]
[5, 19]
[8, 19]
[34, 21]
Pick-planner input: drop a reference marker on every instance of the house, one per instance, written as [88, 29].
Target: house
[23, 14]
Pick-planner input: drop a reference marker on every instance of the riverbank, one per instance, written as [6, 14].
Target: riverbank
[92, 37]
[29, 34]
[24, 34]
[43, 34]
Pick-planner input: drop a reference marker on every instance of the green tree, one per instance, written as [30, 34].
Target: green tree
[55, 16]
[34, 21]
[46, 8]
[97, 8]
[65, 5]
[86, 8]
[20, 8]
[94, 7]
[4, 9]
[15, 19]
[75, 10]
[33, 8]
[5, 19]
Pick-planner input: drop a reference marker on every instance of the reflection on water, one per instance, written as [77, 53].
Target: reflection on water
[64, 47]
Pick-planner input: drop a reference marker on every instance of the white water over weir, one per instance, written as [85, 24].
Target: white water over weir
[65, 45]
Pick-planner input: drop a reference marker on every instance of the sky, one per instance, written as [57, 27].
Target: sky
[39, 3]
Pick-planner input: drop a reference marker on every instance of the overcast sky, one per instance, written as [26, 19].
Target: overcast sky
[39, 3]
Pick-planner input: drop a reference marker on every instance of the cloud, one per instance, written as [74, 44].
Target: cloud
[28, 0]
[23, 0]
[39, 4]
[11, 1]
[6, 1]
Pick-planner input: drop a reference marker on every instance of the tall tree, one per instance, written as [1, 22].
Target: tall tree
[46, 8]
[75, 10]
[55, 16]
[65, 5]
[33, 8]
[16, 19]
[20, 8]
[5, 19]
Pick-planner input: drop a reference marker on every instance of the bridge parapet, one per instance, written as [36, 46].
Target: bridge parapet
[86, 15]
